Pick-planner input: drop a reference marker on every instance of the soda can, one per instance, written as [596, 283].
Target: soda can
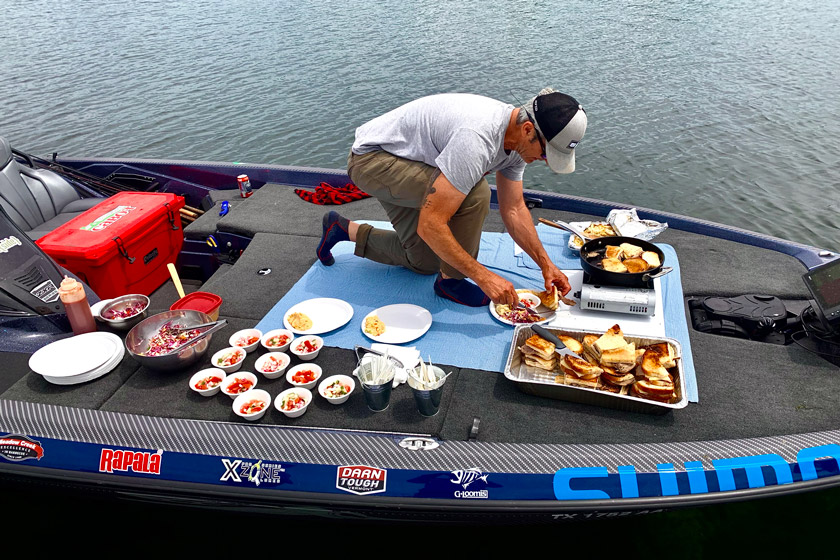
[244, 186]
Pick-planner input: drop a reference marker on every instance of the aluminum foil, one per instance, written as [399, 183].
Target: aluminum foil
[625, 223]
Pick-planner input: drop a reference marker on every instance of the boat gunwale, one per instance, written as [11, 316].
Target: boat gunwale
[810, 256]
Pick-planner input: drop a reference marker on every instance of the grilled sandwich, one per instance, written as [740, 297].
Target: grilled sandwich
[621, 359]
[651, 258]
[613, 252]
[579, 373]
[667, 354]
[631, 251]
[613, 265]
[550, 298]
[613, 377]
[610, 340]
[538, 352]
[635, 264]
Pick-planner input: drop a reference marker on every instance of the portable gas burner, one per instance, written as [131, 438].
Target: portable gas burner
[617, 299]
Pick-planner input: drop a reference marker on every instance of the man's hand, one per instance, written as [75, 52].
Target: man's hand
[553, 277]
[498, 289]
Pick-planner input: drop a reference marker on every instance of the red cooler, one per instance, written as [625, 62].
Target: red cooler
[121, 245]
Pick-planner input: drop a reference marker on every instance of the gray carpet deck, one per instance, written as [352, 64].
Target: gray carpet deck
[747, 389]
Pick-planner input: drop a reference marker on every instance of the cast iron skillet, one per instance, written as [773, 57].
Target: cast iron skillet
[626, 279]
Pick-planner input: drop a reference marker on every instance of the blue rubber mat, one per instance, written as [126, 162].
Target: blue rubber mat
[460, 336]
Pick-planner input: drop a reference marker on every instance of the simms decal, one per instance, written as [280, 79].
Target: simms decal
[735, 473]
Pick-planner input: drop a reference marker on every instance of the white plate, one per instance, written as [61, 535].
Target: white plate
[327, 314]
[91, 375]
[543, 310]
[76, 355]
[403, 323]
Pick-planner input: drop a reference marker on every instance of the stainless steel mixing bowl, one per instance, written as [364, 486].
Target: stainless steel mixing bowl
[123, 301]
[137, 340]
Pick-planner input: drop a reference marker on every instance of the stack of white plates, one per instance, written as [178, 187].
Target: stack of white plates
[79, 358]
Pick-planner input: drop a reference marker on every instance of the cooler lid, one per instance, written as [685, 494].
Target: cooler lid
[91, 234]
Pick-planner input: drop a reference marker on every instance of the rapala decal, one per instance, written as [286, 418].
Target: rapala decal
[108, 218]
[123, 460]
[20, 448]
[473, 483]
[361, 480]
[8, 243]
[256, 472]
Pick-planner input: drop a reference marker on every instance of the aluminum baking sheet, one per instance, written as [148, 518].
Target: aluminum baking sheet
[539, 382]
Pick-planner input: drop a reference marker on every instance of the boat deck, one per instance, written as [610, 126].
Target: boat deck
[747, 389]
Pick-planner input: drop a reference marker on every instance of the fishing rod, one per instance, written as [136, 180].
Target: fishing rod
[98, 185]
[91, 184]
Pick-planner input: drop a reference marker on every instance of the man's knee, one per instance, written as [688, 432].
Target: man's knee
[421, 259]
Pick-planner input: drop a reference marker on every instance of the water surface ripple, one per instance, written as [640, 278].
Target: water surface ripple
[724, 110]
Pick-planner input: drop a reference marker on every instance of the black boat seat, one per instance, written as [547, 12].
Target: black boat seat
[37, 200]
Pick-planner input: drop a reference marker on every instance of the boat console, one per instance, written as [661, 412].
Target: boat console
[824, 284]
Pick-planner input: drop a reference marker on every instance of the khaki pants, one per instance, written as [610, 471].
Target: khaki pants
[400, 185]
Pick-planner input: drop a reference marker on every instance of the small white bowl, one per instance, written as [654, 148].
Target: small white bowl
[305, 394]
[233, 367]
[277, 332]
[231, 379]
[527, 298]
[209, 372]
[346, 379]
[303, 367]
[248, 396]
[236, 342]
[266, 360]
[317, 341]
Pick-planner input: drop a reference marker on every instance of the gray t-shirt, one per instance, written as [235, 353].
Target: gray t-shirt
[459, 133]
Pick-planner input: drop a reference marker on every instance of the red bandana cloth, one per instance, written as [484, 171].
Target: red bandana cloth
[328, 194]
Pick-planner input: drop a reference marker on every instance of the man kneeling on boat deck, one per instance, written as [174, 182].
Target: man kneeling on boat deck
[425, 162]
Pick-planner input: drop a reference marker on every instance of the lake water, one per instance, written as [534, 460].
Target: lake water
[725, 110]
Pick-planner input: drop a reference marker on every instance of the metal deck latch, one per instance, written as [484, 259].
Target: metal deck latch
[416, 443]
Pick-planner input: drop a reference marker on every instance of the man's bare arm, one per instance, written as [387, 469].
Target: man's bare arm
[520, 225]
[439, 205]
